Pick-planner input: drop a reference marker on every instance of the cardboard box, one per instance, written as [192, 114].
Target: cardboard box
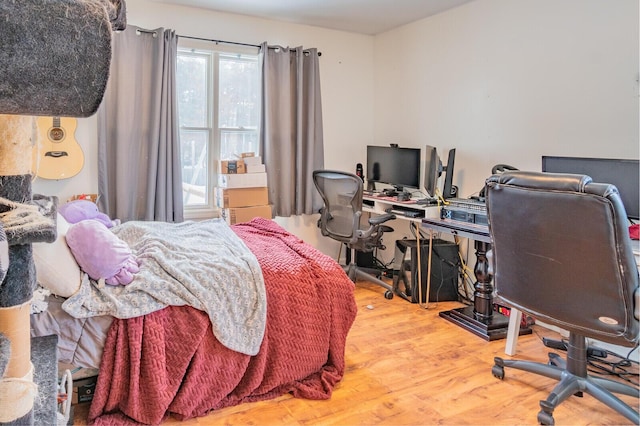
[256, 168]
[241, 197]
[247, 180]
[232, 167]
[253, 160]
[245, 214]
[91, 197]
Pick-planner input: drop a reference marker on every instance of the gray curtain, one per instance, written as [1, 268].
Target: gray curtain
[139, 168]
[291, 141]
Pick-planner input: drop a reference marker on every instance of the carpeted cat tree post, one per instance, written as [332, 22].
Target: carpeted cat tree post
[17, 390]
[54, 61]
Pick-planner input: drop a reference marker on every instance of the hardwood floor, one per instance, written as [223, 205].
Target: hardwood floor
[408, 366]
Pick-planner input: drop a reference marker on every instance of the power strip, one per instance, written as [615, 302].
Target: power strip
[562, 346]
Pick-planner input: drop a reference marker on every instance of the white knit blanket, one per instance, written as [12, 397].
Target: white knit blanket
[200, 264]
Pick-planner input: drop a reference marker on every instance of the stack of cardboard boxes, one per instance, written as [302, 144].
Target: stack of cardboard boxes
[242, 192]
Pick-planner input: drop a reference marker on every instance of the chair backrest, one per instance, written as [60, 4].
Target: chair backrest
[561, 252]
[342, 196]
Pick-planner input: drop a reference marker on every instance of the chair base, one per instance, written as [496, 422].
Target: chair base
[572, 384]
[356, 273]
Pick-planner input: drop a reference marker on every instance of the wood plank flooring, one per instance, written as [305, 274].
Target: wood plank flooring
[408, 366]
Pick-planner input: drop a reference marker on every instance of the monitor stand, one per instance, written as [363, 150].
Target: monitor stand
[403, 196]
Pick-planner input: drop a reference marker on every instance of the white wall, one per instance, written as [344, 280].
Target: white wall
[503, 81]
[507, 81]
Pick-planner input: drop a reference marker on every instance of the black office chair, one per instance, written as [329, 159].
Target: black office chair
[561, 253]
[340, 220]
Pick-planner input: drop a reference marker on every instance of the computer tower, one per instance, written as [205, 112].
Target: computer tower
[363, 259]
[366, 259]
[444, 271]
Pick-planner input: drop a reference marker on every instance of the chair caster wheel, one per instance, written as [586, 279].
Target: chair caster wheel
[498, 371]
[545, 418]
[388, 294]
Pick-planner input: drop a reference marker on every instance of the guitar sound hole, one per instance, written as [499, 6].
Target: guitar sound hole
[56, 134]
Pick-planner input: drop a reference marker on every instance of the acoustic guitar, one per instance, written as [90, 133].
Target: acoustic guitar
[58, 155]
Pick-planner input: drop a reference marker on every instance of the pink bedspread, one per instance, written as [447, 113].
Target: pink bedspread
[170, 362]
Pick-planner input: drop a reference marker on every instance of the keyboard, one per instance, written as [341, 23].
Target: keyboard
[412, 213]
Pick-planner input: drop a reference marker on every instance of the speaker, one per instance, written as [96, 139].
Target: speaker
[360, 171]
[444, 271]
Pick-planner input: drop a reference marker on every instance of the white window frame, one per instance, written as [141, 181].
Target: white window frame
[214, 133]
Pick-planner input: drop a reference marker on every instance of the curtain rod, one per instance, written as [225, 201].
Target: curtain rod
[140, 30]
[232, 42]
[220, 41]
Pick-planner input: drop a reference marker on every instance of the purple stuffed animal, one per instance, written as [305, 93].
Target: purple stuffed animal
[101, 254]
[78, 210]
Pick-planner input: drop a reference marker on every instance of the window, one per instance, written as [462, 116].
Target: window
[219, 112]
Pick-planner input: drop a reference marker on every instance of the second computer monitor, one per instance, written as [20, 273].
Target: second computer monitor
[621, 173]
[434, 169]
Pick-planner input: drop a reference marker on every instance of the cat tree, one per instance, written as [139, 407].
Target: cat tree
[54, 61]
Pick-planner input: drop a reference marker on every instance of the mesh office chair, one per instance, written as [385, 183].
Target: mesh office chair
[561, 252]
[340, 220]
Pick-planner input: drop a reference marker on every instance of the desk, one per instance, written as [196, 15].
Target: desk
[480, 319]
[379, 205]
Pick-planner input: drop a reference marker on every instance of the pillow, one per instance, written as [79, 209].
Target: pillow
[56, 267]
[100, 253]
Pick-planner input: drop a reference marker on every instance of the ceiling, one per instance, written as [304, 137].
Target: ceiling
[359, 16]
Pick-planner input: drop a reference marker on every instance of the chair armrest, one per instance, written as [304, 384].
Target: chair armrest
[378, 219]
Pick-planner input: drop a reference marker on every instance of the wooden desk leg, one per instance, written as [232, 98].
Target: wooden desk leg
[483, 294]
[515, 317]
[480, 319]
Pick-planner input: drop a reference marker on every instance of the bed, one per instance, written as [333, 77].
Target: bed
[185, 358]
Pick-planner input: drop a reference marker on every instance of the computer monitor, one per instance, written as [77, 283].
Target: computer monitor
[398, 167]
[434, 169]
[624, 174]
